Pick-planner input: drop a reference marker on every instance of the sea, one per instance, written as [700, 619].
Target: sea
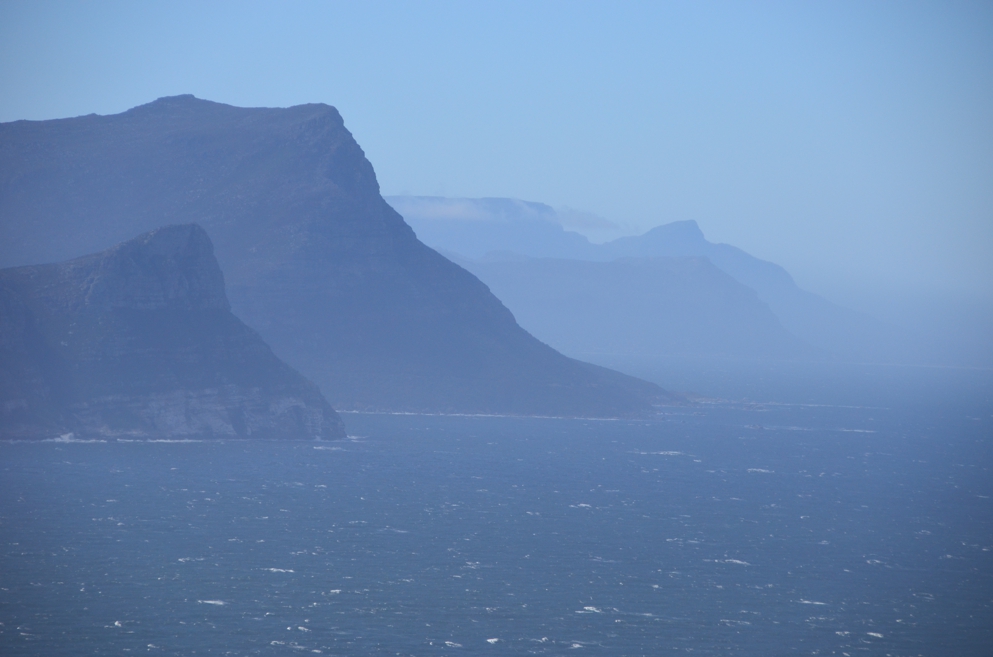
[843, 512]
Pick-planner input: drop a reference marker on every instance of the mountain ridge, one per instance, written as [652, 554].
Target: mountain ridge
[139, 341]
[829, 328]
[315, 260]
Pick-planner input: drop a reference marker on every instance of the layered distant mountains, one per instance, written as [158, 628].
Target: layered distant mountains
[637, 306]
[315, 260]
[666, 292]
[139, 342]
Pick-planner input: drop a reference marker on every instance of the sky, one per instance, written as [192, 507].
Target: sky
[851, 142]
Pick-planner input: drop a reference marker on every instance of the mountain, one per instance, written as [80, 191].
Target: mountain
[810, 317]
[475, 227]
[316, 261]
[649, 306]
[139, 341]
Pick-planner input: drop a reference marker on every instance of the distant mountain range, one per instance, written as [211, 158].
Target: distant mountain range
[649, 306]
[139, 341]
[315, 260]
[692, 313]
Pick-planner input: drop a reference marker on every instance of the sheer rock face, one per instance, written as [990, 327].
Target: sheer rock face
[139, 341]
[315, 259]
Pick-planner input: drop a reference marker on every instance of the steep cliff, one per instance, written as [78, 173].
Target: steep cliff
[139, 340]
[315, 259]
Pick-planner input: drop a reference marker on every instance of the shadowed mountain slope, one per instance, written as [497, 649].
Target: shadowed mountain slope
[139, 340]
[315, 259]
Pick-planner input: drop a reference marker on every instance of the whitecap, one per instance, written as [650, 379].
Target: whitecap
[219, 603]
[589, 610]
[71, 438]
[173, 440]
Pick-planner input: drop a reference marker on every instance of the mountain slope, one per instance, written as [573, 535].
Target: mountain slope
[814, 319]
[649, 306]
[315, 259]
[139, 340]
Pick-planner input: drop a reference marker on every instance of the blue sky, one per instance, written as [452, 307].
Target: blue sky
[851, 142]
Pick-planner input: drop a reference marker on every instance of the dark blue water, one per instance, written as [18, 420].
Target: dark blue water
[740, 530]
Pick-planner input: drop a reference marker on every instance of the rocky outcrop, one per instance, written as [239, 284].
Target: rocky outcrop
[315, 259]
[139, 341]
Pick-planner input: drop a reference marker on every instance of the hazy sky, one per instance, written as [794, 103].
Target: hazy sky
[851, 142]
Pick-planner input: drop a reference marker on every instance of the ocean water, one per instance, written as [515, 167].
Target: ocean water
[722, 529]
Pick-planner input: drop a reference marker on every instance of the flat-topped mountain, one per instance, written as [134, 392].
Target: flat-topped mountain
[139, 341]
[315, 260]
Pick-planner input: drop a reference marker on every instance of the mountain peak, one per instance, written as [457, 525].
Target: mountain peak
[172, 266]
[180, 98]
[138, 340]
[687, 230]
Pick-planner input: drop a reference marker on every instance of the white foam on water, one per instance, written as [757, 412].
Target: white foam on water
[491, 641]
[811, 602]
[219, 603]
[875, 634]
[762, 470]
[70, 438]
[278, 570]
[173, 440]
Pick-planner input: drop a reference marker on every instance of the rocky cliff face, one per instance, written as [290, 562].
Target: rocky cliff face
[139, 340]
[315, 259]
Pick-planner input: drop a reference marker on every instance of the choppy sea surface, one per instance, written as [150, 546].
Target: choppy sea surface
[721, 529]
